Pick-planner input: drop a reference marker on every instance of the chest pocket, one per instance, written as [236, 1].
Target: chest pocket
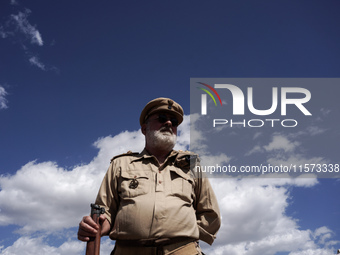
[182, 185]
[134, 183]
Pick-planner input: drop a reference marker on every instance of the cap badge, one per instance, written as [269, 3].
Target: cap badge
[170, 102]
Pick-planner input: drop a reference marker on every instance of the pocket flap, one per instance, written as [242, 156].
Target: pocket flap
[179, 172]
[130, 174]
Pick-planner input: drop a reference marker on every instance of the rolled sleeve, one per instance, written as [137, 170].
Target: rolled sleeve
[207, 211]
[107, 195]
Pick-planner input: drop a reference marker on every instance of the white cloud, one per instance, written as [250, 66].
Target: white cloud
[296, 160]
[26, 28]
[28, 246]
[313, 130]
[3, 100]
[323, 234]
[36, 62]
[18, 25]
[309, 131]
[3, 34]
[59, 195]
[44, 198]
[257, 134]
[198, 144]
[281, 142]
[321, 231]
[314, 252]
[287, 152]
[254, 219]
[256, 149]
[324, 111]
[38, 245]
[14, 2]
[285, 242]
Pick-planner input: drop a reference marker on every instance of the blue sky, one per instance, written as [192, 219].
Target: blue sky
[74, 76]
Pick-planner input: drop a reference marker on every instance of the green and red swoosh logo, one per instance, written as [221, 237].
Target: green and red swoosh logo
[209, 93]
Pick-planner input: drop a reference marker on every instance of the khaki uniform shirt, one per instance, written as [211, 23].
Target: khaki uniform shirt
[144, 200]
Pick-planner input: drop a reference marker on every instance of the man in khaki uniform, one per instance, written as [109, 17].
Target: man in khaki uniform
[154, 202]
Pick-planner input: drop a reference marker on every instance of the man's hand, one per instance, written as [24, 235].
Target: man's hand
[88, 228]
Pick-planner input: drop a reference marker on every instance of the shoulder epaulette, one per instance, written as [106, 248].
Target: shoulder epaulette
[186, 153]
[129, 153]
[185, 158]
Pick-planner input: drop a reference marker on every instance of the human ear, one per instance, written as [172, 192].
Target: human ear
[143, 129]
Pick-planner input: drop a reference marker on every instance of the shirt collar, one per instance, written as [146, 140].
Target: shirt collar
[145, 154]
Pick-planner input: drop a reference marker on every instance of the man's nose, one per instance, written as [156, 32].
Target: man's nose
[168, 122]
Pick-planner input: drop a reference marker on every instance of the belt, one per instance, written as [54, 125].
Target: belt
[155, 242]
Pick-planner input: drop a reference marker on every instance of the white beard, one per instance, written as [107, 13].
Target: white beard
[159, 139]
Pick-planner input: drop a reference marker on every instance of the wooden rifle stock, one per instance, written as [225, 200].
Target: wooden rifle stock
[93, 246]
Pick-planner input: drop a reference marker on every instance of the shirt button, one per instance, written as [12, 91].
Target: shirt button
[159, 182]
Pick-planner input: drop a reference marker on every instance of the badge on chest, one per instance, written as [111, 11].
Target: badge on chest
[133, 184]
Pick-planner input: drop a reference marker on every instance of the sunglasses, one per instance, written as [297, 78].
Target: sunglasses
[162, 118]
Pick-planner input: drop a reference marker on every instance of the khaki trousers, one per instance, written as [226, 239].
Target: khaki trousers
[191, 248]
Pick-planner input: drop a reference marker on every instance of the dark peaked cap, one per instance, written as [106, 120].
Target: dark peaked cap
[161, 104]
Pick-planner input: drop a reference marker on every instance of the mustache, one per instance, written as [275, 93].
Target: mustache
[163, 129]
